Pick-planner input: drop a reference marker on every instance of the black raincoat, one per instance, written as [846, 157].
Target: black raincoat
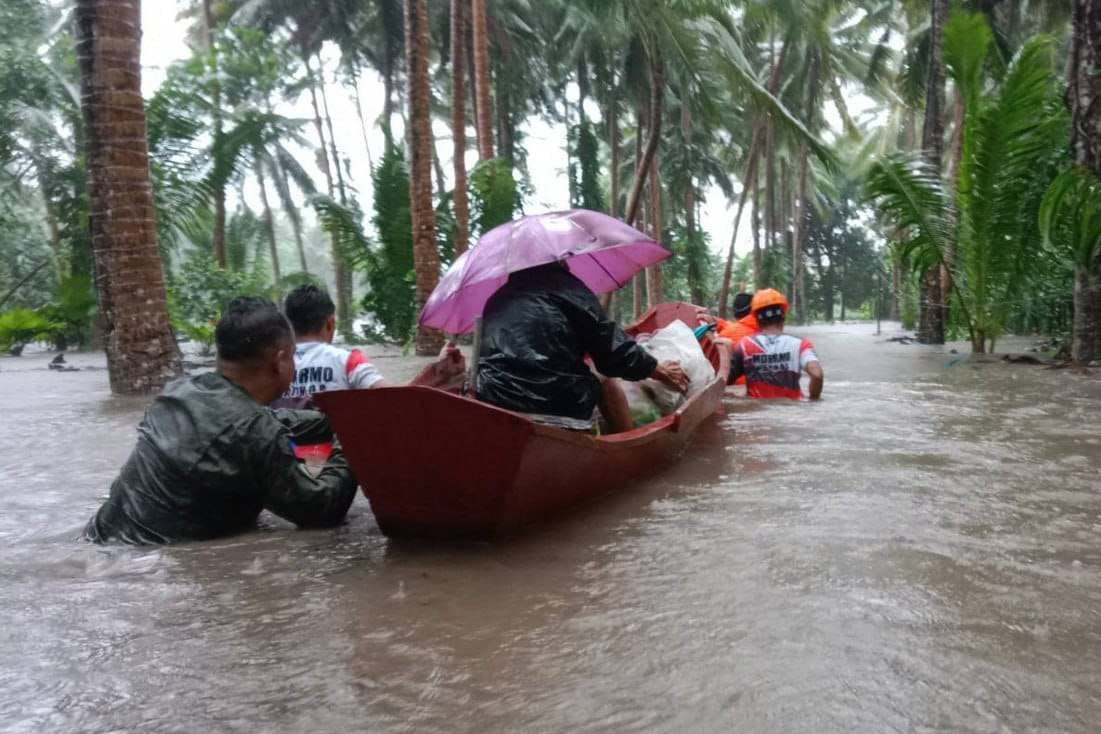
[209, 459]
[536, 331]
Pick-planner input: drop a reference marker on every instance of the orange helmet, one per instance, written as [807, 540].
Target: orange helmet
[768, 297]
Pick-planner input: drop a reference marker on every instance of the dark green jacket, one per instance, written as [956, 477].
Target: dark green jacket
[537, 329]
[209, 459]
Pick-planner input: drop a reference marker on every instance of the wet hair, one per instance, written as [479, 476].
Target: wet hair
[770, 315]
[742, 303]
[307, 307]
[249, 328]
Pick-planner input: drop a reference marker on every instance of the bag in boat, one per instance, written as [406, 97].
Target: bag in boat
[677, 342]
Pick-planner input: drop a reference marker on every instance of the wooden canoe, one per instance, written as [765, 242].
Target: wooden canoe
[440, 466]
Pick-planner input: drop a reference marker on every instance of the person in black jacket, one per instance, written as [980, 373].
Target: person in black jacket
[538, 329]
[210, 456]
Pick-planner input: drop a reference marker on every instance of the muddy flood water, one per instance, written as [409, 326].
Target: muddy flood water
[919, 552]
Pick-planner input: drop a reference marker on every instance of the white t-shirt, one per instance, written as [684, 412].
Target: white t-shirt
[319, 366]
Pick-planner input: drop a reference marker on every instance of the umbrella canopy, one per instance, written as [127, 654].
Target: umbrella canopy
[600, 250]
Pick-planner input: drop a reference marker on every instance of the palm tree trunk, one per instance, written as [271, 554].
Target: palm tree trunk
[933, 301]
[748, 184]
[798, 288]
[1083, 95]
[654, 286]
[657, 90]
[354, 70]
[269, 223]
[141, 351]
[339, 274]
[613, 146]
[895, 314]
[426, 262]
[219, 235]
[770, 188]
[458, 124]
[482, 101]
[757, 255]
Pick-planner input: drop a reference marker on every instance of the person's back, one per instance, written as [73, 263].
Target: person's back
[210, 457]
[538, 330]
[771, 361]
[320, 366]
[773, 364]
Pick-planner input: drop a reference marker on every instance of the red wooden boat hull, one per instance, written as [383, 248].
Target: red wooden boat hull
[438, 465]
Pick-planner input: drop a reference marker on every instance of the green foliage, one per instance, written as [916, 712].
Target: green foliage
[202, 333]
[389, 267]
[72, 311]
[494, 198]
[22, 325]
[692, 273]
[1070, 217]
[1014, 143]
[584, 171]
[200, 290]
[841, 259]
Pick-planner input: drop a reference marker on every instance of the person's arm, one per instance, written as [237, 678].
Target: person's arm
[361, 373]
[737, 364]
[809, 361]
[304, 426]
[289, 490]
[814, 370]
[614, 354]
[449, 366]
[671, 374]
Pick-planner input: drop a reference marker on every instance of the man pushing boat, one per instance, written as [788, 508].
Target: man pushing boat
[210, 456]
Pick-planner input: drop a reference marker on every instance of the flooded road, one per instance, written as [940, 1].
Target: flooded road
[919, 552]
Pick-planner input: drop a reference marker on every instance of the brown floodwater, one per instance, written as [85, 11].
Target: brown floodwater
[919, 552]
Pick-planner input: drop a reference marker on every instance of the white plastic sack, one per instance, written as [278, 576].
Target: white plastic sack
[677, 342]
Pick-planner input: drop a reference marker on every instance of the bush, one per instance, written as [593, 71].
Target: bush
[72, 311]
[201, 290]
[21, 326]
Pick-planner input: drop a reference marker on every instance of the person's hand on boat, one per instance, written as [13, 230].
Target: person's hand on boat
[450, 362]
[672, 374]
[705, 316]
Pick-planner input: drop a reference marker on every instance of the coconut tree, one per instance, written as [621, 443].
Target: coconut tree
[426, 259]
[1085, 90]
[985, 233]
[459, 10]
[482, 102]
[141, 351]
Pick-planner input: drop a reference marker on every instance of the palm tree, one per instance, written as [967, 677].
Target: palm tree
[141, 351]
[934, 305]
[458, 124]
[987, 237]
[426, 260]
[1085, 89]
[484, 116]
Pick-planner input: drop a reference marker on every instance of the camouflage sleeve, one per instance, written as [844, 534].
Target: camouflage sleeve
[289, 490]
[305, 426]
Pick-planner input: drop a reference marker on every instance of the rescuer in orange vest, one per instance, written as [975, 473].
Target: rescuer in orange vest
[771, 360]
[744, 324]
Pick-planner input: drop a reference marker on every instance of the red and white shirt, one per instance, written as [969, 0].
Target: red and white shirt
[772, 364]
[319, 366]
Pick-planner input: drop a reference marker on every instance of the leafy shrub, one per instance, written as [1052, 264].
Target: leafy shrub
[72, 311]
[21, 326]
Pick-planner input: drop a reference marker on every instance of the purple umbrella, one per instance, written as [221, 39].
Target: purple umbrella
[600, 250]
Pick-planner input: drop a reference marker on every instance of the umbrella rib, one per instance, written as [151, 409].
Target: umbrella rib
[614, 279]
